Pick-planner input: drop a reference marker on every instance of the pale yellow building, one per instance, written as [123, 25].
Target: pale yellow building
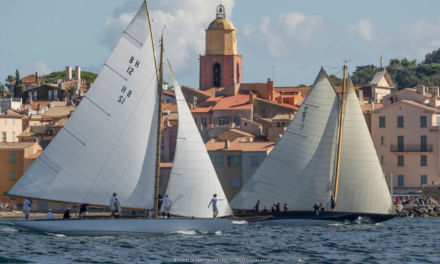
[11, 125]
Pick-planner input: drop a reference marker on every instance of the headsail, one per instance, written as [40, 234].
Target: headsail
[108, 144]
[299, 170]
[193, 179]
[362, 185]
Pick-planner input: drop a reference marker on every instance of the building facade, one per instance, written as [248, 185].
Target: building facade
[11, 126]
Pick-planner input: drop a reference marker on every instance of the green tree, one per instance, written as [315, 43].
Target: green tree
[70, 91]
[406, 63]
[9, 79]
[19, 89]
[336, 80]
[363, 75]
[433, 57]
[2, 91]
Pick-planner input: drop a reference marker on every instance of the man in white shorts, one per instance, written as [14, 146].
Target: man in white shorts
[27, 206]
[214, 204]
[166, 205]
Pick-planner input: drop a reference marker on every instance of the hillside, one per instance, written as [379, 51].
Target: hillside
[54, 76]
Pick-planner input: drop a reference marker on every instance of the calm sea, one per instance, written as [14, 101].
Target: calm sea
[402, 240]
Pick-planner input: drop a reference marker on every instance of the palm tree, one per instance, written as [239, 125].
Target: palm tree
[70, 91]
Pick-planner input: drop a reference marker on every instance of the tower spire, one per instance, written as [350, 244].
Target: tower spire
[381, 62]
[221, 11]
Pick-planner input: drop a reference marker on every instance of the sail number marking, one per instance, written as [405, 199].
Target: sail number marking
[130, 69]
[303, 119]
[121, 97]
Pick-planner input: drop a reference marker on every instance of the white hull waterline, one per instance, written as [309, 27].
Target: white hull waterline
[298, 222]
[128, 227]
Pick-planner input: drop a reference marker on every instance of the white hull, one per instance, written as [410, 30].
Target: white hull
[129, 227]
[298, 222]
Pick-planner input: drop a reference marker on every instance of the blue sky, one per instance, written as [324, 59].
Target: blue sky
[294, 37]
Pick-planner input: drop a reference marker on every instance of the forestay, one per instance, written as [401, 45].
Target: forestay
[193, 179]
[362, 185]
[108, 144]
[300, 168]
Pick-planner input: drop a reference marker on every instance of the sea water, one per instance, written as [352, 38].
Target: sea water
[401, 240]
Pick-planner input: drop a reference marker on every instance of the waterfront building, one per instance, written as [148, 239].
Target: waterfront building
[235, 161]
[15, 159]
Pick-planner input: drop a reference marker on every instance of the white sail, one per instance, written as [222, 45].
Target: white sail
[108, 144]
[300, 168]
[362, 186]
[193, 179]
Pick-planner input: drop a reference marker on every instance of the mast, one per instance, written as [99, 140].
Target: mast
[159, 131]
[341, 121]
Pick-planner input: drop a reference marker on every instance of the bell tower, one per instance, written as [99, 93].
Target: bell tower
[220, 66]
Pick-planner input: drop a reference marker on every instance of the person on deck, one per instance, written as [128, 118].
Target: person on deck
[83, 210]
[113, 205]
[321, 207]
[257, 207]
[273, 208]
[1, 206]
[214, 204]
[49, 214]
[265, 210]
[332, 203]
[278, 208]
[315, 209]
[167, 205]
[67, 213]
[26, 207]
[286, 208]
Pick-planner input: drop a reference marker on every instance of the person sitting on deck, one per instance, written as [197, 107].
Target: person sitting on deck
[286, 208]
[67, 213]
[49, 214]
[278, 208]
[265, 209]
[273, 208]
[257, 207]
[321, 207]
[214, 204]
[83, 210]
[315, 208]
[113, 205]
[167, 205]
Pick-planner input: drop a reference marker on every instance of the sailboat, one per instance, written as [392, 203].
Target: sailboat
[326, 150]
[111, 143]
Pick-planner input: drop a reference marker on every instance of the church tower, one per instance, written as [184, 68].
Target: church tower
[220, 66]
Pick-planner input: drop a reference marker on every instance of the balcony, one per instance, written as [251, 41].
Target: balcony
[411, 148]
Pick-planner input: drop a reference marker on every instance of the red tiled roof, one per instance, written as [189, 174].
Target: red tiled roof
[169, 93]
[27, 80]
[275, 102]
[7, 92]
[169, 107]
[214, 98]
[35, 155]
[429, 108]
[240, 101]
[206, 109]
[213, 90]
[238, 145]
[34, 105]
[303, 89]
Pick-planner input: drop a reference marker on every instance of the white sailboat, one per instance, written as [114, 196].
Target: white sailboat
[112, 144]
[326, 150]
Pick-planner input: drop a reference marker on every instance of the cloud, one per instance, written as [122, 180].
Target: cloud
[184, 37]
[290, 31]
[36, 66]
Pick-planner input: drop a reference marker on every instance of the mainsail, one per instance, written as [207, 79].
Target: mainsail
[193, 179]
[362, 185]
[108, 144]
[299, 170]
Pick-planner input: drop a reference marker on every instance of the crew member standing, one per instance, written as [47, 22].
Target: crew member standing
[67, 213]
[113, 205]
[316, 208]
[257, 207]
[83, 210]
[214, 204]
[332, 204]
[27, 207]
[167, 206]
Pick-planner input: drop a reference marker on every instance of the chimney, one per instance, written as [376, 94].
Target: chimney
[251, 98]
[269, 98]
[68, 73]
[372, 106]
[210, 124]
[434, 91]
[281, 97]
[420, 89]
[270, 89]
[36, 77]
[78, 73]
[227, 145]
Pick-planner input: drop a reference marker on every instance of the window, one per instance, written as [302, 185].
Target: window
[278, 124]
[382, 141]
[217, 161]
[400, 161]
[35, 123]
[423, 121]
[12, 175]
[283, 124]
[237, 121]
[381, 121]
[236, 182]
[228, 120]
[203, 121]
[423, 145]
[423, 160]
[11, 157]
[221, 121]
[400, 145]
[217, 75]
[160, 179]
[3, 136]
[382, 159]
[13, 122]
[400, 121]
[254, 160]
[234, 161]
[162, 143]
[423, 179]
[400, 180]
[238, 66]
[13, 136]
[195, 120]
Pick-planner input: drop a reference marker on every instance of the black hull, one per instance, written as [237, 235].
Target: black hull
[323, 216]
